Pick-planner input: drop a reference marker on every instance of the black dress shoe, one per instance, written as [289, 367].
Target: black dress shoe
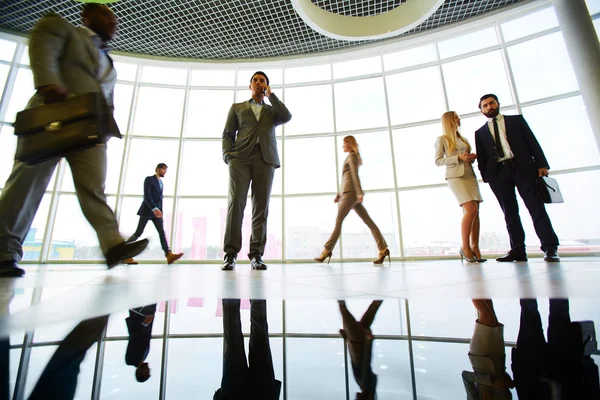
[124, 251]
[228, 262]
[552, 256]
[513, 256]
[10, 269]
[257, 263]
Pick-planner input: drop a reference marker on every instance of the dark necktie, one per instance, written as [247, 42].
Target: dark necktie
[499, 148]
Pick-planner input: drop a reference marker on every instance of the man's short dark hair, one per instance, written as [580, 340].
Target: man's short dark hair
[161, 165]
[93, 7]
[485, 96]
[260, 73]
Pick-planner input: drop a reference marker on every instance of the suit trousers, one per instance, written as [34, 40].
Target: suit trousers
[26, 186]
[347, 202]
[59, 378]
[160, 228]
[503, 185]
[254, 171]
[254, 379]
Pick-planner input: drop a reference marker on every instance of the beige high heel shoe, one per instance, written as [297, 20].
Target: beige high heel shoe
[323, 256]
[382, 255]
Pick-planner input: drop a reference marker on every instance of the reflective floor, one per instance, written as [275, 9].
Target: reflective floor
[413, 330]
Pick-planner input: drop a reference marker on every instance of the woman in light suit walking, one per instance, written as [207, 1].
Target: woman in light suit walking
[351, 198]
[454, 151]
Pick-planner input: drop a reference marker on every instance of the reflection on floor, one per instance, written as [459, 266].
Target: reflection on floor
[408, 331]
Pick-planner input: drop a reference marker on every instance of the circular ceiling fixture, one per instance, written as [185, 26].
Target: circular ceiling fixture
[388, 24]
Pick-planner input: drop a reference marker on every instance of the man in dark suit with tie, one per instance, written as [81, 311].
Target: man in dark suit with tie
[151, 210]
[510, 156]
[139, 325]
[250, 150]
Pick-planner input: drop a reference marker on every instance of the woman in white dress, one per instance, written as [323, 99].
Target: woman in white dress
[454, 151]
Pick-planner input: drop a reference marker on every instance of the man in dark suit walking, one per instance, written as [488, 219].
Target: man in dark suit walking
[250, 150]
[510, 156]
[151, 210]
[139, 325]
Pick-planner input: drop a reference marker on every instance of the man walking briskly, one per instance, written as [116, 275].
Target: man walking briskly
[66, 61]
[509, 156]
[250, 150]
[151, 210]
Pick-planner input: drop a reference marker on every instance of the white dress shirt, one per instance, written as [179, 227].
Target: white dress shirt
[257, 110]
[503, 140]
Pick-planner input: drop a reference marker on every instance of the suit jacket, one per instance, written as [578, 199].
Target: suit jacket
[242, 130]
[455, 167]
[61, 54]
[138, 345]
[525, 147]
[350, 179]
[153, 197]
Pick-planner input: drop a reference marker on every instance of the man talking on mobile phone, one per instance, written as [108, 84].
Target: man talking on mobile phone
[250, 150]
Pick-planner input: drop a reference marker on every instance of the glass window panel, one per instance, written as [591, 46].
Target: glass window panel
[415, 95]
[312, 73]
[468, 79]
[207, 112]
[390, 362]
[159, 112]
[118, 378]
[3, 75]
[123, 96]
[32, 246]
[203, 171]
[275, 76]
[219, 77]
[593, 6]
[410, 57]
[415, 168]
[469, 42]
[309, 165]
[306, 232]
[8, 145]
[25, 56]
[541, 61]
[199, 315]
[161, 75]
[39, 359]
[327, 377]
[125, 71]
[311, 108]
[21, 93]
[15, 356]
[529, 24]
[597, 26]
[7, 49]
[452, 318]
[357, 237]
[354, 111]
[128, 221]
[73, 238]
[118, 327]
[144, 156]
[202, 228]
[363, 66]
[552, 132]
[376, 172]
[114, 157]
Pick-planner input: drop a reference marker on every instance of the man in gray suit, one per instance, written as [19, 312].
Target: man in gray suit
[66, 61]
[250, 150]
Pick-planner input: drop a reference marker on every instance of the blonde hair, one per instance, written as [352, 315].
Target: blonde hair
[354, 147]
[450, 128]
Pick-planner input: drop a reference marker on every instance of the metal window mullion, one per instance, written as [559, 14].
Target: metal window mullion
[99, 364]
[284, 349]
[283, 139]
[508, 69]
[337, 162]
[52, 212]
[410, 350]
[165, 352]
[346, 375]
[172, 238]
[127, 144]
[391, 136]
[10, 80]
